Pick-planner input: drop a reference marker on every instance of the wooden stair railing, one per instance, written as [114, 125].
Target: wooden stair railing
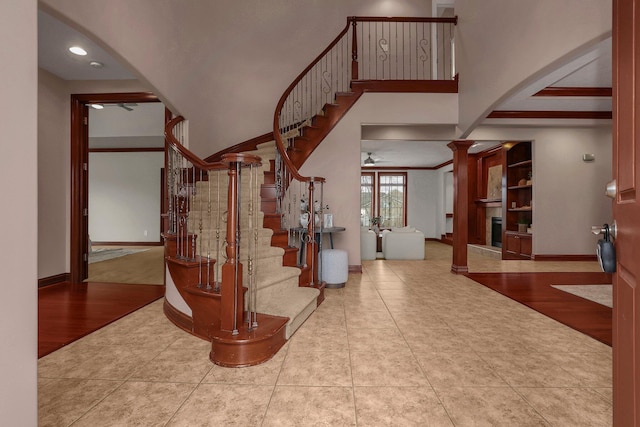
[374, 54]
[264, 146]
[371, 54]
[218, 198]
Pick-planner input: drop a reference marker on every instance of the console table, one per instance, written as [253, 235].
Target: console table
[318, 236]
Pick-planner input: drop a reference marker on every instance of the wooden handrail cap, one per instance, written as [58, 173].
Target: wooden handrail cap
[244, 158]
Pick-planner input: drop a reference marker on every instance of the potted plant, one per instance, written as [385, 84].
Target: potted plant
[522, 225]
[376, 222]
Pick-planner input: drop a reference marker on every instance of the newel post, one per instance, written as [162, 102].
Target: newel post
[311, 246]
[231, 295]
[354, 48]
[460, 204]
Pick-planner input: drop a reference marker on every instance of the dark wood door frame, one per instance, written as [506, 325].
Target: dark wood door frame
[79, 242]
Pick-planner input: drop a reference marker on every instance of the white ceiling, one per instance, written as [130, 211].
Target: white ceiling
[54, 40]
[420, 154]
[136, 126]
[590, 69]
[144, 119]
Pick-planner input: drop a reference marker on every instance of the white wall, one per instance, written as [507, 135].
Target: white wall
[222, 65]
[422, 203]
[339, 153]
[503, 44]
[53, 175]
[18, 305]
[54, 153]
[124, 196]
[447, 188]
[568, 194]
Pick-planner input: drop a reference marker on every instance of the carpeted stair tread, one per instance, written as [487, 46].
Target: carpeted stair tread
[265, 153]
[297, 305]
[284, 274]
[277, 287]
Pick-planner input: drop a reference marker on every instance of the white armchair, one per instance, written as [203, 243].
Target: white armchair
[367, 244]
[403, 243]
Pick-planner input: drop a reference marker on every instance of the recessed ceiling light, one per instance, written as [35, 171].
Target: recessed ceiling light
[96, 106]
[96, 64]
[78, 50]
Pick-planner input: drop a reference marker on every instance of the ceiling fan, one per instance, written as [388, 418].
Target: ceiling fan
[370, 161]
[124, 105]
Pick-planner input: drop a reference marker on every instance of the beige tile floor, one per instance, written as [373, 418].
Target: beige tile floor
[406, 343]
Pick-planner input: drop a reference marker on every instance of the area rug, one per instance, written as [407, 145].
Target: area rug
[103, 254]
[601, 294]
[142, 267]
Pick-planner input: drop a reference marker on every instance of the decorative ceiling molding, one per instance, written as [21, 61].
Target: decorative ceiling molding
[405, 168]
[511, 114]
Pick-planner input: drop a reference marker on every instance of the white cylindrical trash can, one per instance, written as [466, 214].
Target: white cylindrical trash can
[335, 267]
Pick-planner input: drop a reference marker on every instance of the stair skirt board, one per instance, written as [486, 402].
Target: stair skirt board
[251, 348]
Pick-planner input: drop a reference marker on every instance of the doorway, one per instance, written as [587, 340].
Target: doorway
[80, 104]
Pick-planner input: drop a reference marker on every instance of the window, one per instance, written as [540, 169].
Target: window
[383, 194]
[367, 198]
[392, 198]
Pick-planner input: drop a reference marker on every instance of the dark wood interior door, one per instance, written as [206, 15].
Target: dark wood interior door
[626, 212]
[79, 243]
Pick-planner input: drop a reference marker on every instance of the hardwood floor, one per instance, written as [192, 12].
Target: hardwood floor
[68, 312]
[534, 290]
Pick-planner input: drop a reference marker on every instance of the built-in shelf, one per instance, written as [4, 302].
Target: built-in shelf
[518, 207]
[481, 201]
[521, 164]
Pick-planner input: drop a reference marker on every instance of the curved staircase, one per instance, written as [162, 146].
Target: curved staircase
[197, 254]
[231, 256]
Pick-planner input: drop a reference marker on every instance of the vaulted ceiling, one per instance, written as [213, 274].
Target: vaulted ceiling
[578, 93]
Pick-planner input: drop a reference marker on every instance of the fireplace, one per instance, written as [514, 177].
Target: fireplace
[496, 231]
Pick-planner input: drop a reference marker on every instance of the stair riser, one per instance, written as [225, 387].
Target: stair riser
[269, 191]
[263, 251]
[216, 201]
[273, 222]
[211, 223]
[276, 288]
[312, 132]
[245, 184]
[290, 257]
[280, 239]
[305, 276]
[268, 205]
[269, 178]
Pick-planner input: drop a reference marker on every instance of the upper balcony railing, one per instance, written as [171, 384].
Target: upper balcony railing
[402, 48]
[368, 48]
